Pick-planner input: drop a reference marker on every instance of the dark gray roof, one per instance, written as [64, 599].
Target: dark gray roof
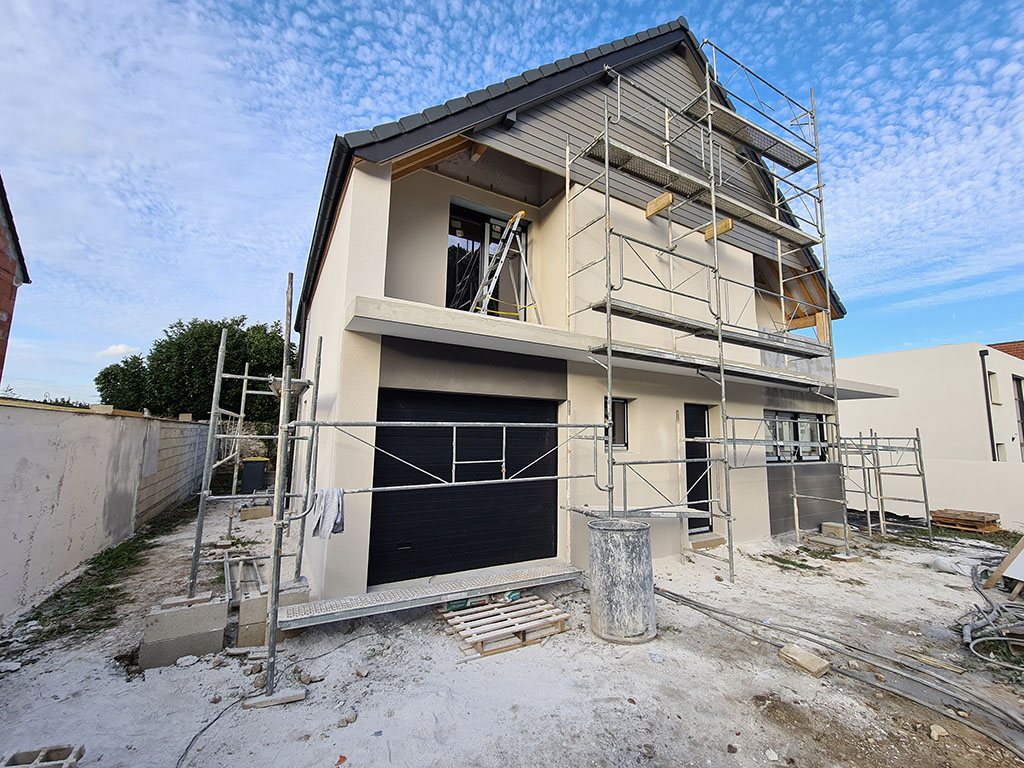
[481, 108]
[357, 139]
[5, 209]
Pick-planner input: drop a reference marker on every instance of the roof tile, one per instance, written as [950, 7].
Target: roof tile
[412, 121]
[457, 104]
[387, 130]
[436, 113]
[475, 97]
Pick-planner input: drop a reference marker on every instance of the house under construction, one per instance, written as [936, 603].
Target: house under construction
[597, 289]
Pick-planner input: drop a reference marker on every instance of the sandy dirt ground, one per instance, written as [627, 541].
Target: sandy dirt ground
[396, 691]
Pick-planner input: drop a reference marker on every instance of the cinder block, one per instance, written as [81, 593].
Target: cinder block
[182, 621]
[833, 529]
[64, 756]
[162, 653]
[176, 602]
[252, 608]
[252, 614]
[256, 513]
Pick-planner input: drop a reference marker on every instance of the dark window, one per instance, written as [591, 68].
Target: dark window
[794, 436]
[466, 237]
[620, 426]
[1018, 394]
[471, 235]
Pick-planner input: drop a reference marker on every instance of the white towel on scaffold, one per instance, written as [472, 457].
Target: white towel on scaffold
[329, 505]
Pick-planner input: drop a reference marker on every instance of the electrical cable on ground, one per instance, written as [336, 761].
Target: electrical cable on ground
[1008, 718]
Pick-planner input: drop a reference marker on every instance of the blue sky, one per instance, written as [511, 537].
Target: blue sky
[165, 159]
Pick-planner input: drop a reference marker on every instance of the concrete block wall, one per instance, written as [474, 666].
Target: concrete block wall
[73, 483]
[179, 468]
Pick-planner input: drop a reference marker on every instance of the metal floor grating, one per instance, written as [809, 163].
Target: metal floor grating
[737, 127]
[689, 186]
[771, 342]
[388, 600]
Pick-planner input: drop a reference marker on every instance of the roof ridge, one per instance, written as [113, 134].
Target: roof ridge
[457, 104]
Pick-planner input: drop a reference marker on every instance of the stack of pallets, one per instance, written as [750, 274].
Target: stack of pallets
[497, 627]
[963, 520]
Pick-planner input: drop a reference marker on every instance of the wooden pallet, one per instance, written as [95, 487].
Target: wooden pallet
[499, 627]
[963, 520]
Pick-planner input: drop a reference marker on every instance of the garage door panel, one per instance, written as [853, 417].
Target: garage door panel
[446, 529]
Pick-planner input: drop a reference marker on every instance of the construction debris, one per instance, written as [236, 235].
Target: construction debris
[285, 696]
[49, 757]
[805, 660]
[964, 520]
[498, 627]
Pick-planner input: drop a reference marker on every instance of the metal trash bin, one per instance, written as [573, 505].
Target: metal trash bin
[254, 474]
[621, 581]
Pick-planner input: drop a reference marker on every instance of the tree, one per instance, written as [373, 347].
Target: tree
[125, 385]
[180, 368]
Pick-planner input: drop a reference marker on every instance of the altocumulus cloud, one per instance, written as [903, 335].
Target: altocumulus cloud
[165, 159]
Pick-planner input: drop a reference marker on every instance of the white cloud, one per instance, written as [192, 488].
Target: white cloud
[118, 350]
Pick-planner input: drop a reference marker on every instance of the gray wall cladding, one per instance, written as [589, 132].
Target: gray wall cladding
[812, 479]
[539, 135]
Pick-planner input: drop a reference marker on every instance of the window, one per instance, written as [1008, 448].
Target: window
[1000, 451]
[471, 234]
[993, 389]
[1018, 395]
[795, 436]
[620, 426]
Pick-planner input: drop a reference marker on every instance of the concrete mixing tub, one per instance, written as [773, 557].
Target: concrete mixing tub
[621, 581]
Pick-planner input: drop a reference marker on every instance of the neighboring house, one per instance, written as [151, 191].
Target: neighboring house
[406, 213]
[13, 272]
[968, 402]
[1015, 348]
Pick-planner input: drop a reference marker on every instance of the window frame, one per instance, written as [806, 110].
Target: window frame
[624, 402]
[792, 428]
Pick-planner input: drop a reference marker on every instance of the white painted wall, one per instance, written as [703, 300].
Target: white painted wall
[69, 485]
[942, 392]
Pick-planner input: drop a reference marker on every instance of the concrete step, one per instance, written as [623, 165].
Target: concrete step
[706, 540]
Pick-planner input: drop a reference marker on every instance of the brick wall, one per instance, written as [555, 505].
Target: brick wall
[1015, 348]
[178, 467]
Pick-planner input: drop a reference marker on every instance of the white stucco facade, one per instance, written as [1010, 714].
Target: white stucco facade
[949, 396]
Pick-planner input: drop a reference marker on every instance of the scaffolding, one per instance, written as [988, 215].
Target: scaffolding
[869, 459]
[696, 154]
[694, 138]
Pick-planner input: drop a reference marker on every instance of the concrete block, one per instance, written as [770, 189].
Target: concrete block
[100, 408]
[175, 602]
[256, 513]
[162, 653]
[181, 621]
[252, 613]
[64, 756]
[706, 540]
[252, 608]
[833, 529]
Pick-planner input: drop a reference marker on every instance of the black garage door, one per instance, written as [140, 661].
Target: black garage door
[443, 530]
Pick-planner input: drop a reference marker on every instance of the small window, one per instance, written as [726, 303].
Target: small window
[993, 389]
[620, 426]
[794, 436]
[1000, 451]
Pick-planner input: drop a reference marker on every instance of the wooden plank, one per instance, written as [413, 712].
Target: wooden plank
[939, 663]
[725, 225]
[427, 156]
[966, 515]
[659, 204]
[997, 574]
[805, 660]
[822, 327]
[515, 629]
[471, 626]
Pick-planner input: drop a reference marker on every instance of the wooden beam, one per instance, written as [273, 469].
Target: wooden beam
[822, 327]
[804, 321]
[659, 204]
[723, 226]
[427, 156]
[997, 574]
[478, 152]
